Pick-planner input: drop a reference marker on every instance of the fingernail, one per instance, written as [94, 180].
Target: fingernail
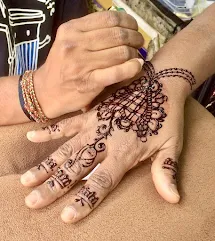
[27, 177]
[174, 190]
[32, 198]
[31, 134]
[68, 214]
[141, 61]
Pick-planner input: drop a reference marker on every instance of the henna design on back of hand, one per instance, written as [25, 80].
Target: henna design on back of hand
[137, 107]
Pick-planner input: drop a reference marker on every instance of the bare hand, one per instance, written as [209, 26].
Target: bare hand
[88, 54]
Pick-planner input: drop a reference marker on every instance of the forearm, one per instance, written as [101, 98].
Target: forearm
[193, 49]
[10, 109]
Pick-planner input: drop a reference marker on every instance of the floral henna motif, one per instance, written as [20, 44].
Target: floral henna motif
[137, 107]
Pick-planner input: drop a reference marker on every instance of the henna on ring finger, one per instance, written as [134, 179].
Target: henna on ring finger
[98, 186]
[38, 174]
[67, 175]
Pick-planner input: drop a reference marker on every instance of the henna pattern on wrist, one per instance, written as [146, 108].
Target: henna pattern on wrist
[177, 72]
[171, 165]
[137, 107]
[87, 196]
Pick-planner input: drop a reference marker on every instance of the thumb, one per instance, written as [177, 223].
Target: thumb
[164, 169]
[118, 73]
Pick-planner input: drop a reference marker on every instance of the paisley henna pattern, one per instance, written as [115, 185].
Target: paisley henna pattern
[137, 107]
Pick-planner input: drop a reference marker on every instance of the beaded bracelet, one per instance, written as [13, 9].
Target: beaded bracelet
[28, 99]
[21, 100]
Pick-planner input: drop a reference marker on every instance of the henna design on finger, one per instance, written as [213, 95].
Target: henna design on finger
[50, 163]
[87, 196]
[40, 166]
[52, 128]
[85, 157]
[171, 165]
[61, 178]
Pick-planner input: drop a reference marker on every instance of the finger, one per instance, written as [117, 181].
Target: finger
[66, 176]
[164, 170]
[118, 73]
[98, 186]
[38, 174]
[106, 19]
[66, 127]
[110, 57]
[113, 37]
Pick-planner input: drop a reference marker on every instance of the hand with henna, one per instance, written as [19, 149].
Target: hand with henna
[140, 121]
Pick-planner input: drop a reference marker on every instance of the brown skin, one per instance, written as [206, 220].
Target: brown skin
[124, 150]
[88, 54]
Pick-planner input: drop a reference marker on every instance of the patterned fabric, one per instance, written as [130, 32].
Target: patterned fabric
[27, 30]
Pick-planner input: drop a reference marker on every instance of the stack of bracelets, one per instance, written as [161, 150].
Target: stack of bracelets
[28, 99]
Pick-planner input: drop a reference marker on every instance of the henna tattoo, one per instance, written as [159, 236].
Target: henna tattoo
[178, 72]
[87, 196]
[40, 166]
[171, 165]
[50, 163]
[137, 107]
[52, 128]
[61, 178]
[85, 157]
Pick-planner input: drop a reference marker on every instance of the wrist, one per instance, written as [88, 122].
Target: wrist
[43, 93]
[178, 83]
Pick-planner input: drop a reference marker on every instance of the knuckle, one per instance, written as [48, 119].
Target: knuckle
[65, 28]
[76, 70]
[65, 150]
[61, 31]
[121, 35]
[140, 39]
[102, 180]
[112, 18]
[82, 85]
[125, 53]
